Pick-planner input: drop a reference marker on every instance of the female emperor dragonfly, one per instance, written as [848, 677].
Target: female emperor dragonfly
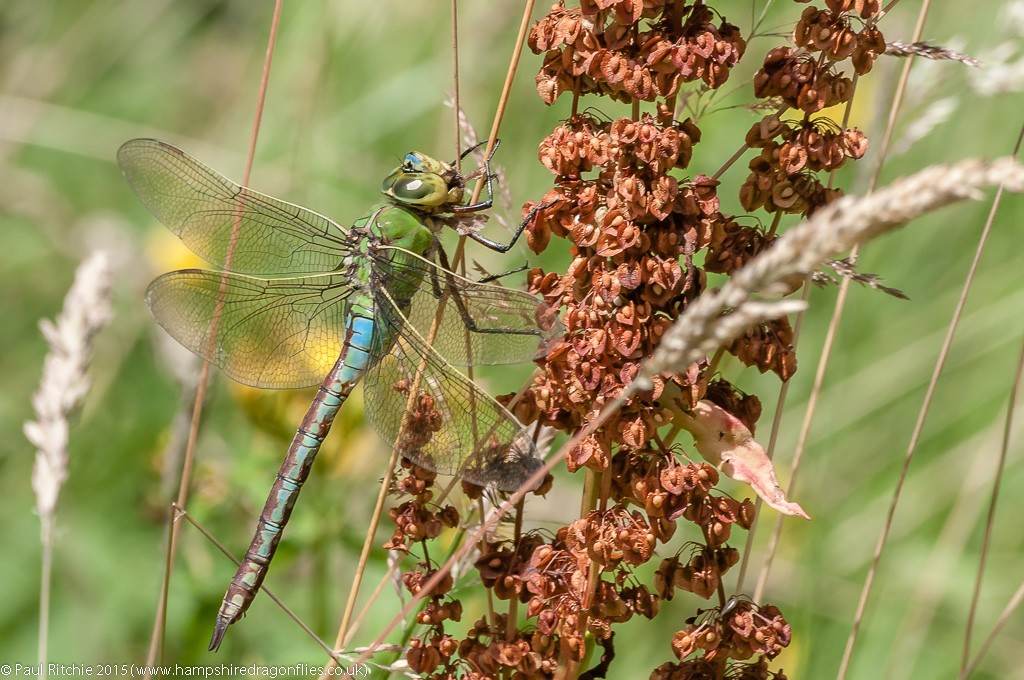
[298, 298]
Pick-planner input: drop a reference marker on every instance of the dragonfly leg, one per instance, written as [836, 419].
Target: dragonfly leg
[476, 146]
[489, 201]
[510, 272]
[505, 247]
[460, 304]
[442, 258]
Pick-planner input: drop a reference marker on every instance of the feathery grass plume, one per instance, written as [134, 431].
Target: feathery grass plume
[64, 383]
[63, 386]
[849, 221]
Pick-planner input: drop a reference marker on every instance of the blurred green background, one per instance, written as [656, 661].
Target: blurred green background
[354, 86]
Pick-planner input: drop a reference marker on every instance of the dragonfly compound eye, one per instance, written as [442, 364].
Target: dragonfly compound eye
[418, 189]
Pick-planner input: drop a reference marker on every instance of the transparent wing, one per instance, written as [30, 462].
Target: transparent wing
[436, 416]
[478, 323]
[271, 333]
[202, 208]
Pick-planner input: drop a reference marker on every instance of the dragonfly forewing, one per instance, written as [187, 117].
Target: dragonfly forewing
[232, 227]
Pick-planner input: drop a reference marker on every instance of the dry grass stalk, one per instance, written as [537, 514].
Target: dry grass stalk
[846, 268]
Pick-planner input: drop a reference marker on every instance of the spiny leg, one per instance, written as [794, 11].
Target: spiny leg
[489, 201]
[495, 277]
[460, 304]
[505, 247]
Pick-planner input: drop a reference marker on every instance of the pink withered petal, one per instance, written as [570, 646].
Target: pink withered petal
[725, 442]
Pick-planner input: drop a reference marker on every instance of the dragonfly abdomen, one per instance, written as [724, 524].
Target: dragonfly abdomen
[294, 470]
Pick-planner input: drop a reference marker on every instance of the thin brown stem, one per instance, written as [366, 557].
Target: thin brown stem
[46, 532]
[1001, 622]
[364, 555]
[773, 439]
[1004, 447]
[729, 163]
[492, 615]
[513, 603]
[378, 590]
[714, 361]
[499, 114]
[900, 93]
[456, 99]
[990, 517]
[606, 489]
[816, 389]
[160, 623]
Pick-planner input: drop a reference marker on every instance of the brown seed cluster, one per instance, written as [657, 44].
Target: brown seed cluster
[811, 83]
[435, 653]
[563, 598]
[488, 650]
[503, 565]
[634, 230]
[598, 49]
[703, 669]
[420, 422]
[767, 347]
[669, 491]
[644, 231]
[740, 633]
[417, 521]
[808, 78]
[784, 176]
[831, 32]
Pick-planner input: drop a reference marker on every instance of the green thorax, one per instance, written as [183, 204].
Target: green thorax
[400, 227]
[415, 192]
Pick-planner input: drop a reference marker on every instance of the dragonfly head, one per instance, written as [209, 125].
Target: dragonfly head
[424, 183]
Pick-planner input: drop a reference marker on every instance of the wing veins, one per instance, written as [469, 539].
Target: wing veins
[411, 350]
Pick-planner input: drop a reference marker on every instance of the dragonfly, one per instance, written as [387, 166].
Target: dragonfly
[298, 300]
